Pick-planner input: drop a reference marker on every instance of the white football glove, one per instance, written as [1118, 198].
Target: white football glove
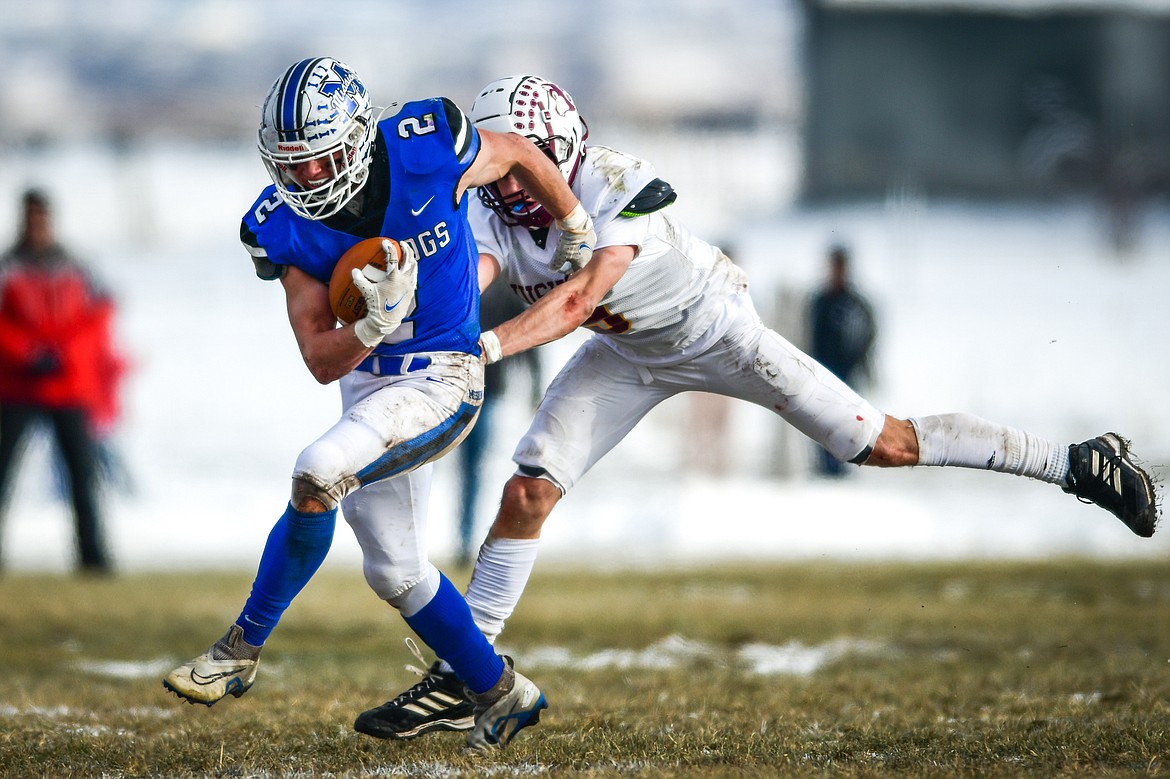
[387, 293]
[575, 246]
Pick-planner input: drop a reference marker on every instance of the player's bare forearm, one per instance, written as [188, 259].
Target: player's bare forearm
[543, 181]
[332, 354]
[552, 317]
[567, 306]
[329, 352]
[504, 153]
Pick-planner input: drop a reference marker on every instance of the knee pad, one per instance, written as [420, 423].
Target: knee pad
[303, 488]
[323, 471]
[408, 597]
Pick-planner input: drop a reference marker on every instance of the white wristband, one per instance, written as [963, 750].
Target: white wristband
[367, 332]
[576, 221]
[492, 351]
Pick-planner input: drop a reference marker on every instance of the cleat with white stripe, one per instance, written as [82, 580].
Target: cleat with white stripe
[438, 702]
[1101, 471]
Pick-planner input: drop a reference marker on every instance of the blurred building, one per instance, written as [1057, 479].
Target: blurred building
[712, 98]
[988, 99]
[198, 69]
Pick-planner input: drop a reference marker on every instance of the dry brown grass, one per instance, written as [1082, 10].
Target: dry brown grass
[975, 670]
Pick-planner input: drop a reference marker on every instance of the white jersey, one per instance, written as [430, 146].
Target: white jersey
[662, 309]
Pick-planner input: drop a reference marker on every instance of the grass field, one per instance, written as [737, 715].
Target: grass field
[957, 669]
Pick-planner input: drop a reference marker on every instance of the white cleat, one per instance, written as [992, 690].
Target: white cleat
[216, 674]
[499, 717]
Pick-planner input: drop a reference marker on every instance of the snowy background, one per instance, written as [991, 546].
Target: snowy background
[1017, 314]
[1022, 314]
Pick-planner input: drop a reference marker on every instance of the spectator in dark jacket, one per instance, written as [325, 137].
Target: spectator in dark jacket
[843, 331]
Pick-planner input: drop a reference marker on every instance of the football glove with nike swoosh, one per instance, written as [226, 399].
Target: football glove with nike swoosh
[575, 246]
[388, 295]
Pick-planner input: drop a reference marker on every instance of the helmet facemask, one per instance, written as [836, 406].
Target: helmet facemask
[545, 114]
[317, 111]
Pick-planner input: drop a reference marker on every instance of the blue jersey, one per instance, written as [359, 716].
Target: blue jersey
[425, 156]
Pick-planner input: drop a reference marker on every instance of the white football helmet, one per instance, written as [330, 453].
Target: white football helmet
[542, 111]
[318, 110]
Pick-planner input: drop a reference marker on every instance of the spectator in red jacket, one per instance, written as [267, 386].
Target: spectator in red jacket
[58, 364]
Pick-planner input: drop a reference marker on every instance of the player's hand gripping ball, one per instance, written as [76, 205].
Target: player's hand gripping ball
[368, 256]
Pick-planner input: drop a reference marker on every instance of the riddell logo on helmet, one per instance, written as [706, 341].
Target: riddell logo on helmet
[291, 147]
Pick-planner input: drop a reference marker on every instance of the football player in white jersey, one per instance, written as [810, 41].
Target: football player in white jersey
[671, 313]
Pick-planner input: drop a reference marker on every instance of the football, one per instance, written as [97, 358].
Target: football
[367, 256]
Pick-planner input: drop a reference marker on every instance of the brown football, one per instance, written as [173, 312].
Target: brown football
[346, 299]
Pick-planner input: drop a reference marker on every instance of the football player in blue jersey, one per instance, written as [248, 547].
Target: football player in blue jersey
[410, 371]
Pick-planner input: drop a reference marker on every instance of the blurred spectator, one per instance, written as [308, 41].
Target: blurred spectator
[497, 304]
[843, 332]
[58, 366]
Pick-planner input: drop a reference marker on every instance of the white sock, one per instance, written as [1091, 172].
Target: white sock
[501, 573]
[966, 441]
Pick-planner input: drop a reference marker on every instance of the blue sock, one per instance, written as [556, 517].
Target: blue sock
[295, 550]
[446, 626]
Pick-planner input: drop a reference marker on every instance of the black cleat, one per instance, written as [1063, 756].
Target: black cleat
[1102, 472]
[438, 702]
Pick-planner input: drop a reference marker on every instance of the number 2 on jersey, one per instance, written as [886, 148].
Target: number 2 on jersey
[412, 126]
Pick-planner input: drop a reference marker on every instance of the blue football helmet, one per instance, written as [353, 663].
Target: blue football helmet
[318, 110]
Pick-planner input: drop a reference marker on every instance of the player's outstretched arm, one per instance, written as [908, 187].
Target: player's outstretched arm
[565, 308]
[504, 153]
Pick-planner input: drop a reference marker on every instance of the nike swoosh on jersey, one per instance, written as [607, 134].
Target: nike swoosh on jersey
[420, 209]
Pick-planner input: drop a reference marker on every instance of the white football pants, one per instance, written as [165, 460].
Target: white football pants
[376, 459]
[599, 396]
